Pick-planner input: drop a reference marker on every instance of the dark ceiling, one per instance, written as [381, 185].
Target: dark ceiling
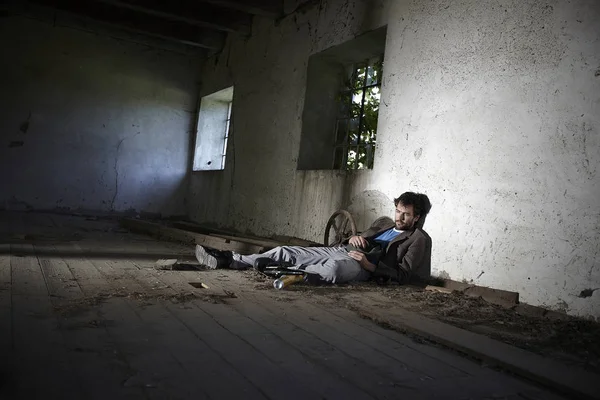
[198, 24]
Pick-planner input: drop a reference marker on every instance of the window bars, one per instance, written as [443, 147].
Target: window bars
[356, 124]
[227, 125]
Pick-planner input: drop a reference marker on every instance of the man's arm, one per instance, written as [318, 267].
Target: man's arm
[379, 225]
[359, 242]
[412, 259]
[362, 260]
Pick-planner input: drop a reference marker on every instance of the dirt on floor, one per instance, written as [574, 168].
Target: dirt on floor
[570, 340]
[573, 341]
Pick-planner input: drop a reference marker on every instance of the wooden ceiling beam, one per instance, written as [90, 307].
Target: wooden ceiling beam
[267, 8]
[140, 23]
[192, 13]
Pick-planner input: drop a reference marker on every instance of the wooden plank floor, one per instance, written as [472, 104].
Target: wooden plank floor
[77, 324]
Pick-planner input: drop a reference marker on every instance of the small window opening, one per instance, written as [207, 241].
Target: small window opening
[341, 104]
[214, 123]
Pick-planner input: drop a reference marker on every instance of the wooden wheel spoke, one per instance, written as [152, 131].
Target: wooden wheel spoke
[335, 227]
[343, 226]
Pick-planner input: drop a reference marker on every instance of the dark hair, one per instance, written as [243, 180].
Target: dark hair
[419, 201]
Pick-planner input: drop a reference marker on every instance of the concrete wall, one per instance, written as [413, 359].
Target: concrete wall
[491, 108]
[89, 122]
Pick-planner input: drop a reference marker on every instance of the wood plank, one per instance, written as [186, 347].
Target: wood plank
[294, 241]
[27, 277]
[565, 379]
[179, 235]
[125, 276]
[5, 321]
[275, 241]
[262, 242]
[346, 325]
[219, 378]
[114, 273]
[262, 372]
[58, 276]
[151, 367]
[102, 366]
[243, 340]
[39, 349]
[322, 380]
[215, 376]
[179, 281]
[388, 369]
[89, 279]
[200, 362]
[430, 350]
[448, 380]
[321, 351]
[503, 298]
[147, 249]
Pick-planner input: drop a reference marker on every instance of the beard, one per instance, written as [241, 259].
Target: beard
[403, 226]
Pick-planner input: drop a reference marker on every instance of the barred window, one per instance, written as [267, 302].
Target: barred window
[356, 124]
[213, 131]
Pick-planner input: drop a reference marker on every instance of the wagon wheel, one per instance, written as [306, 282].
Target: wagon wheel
[340, 227]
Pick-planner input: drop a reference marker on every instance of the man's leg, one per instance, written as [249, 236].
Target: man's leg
[339, 270]
[296, 255]
[333, 264]
[293, 254]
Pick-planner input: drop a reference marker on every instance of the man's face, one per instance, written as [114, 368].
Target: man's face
[405, 217]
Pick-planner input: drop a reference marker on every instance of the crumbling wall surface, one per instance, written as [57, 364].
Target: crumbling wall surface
[93, 123]
[491, 108]
[494, 111]
[261, 190]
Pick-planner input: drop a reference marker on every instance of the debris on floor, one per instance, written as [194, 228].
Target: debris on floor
[570, 340]
[173, 264]
[199, 285]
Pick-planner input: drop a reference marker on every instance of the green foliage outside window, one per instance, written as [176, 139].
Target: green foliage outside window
[356, 125]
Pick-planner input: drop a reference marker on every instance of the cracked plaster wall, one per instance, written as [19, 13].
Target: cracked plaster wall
[92, 123]
[491, 107]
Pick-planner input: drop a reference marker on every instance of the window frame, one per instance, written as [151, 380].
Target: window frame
[213, 130]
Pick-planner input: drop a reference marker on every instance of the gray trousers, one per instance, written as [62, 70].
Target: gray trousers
[332, 263]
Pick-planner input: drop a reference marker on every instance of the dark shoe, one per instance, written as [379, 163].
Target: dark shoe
[212, 258]
[314, 279]
[260, 264]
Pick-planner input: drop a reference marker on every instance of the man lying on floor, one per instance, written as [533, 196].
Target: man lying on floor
[389, 250]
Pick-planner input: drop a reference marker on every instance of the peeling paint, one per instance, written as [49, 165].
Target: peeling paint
[587, 293]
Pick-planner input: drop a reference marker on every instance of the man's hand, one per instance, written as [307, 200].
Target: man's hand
[362, 260]
[358, 241]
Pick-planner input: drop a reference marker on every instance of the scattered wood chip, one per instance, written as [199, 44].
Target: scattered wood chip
[165, 263]
[199, 285]
[438, 289]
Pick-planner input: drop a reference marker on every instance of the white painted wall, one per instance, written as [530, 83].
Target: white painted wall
[491, 108]
[108, 122]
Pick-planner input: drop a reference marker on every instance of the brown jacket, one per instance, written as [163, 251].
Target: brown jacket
[406, 254]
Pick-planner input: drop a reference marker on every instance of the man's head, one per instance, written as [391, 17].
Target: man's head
[410, 207]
